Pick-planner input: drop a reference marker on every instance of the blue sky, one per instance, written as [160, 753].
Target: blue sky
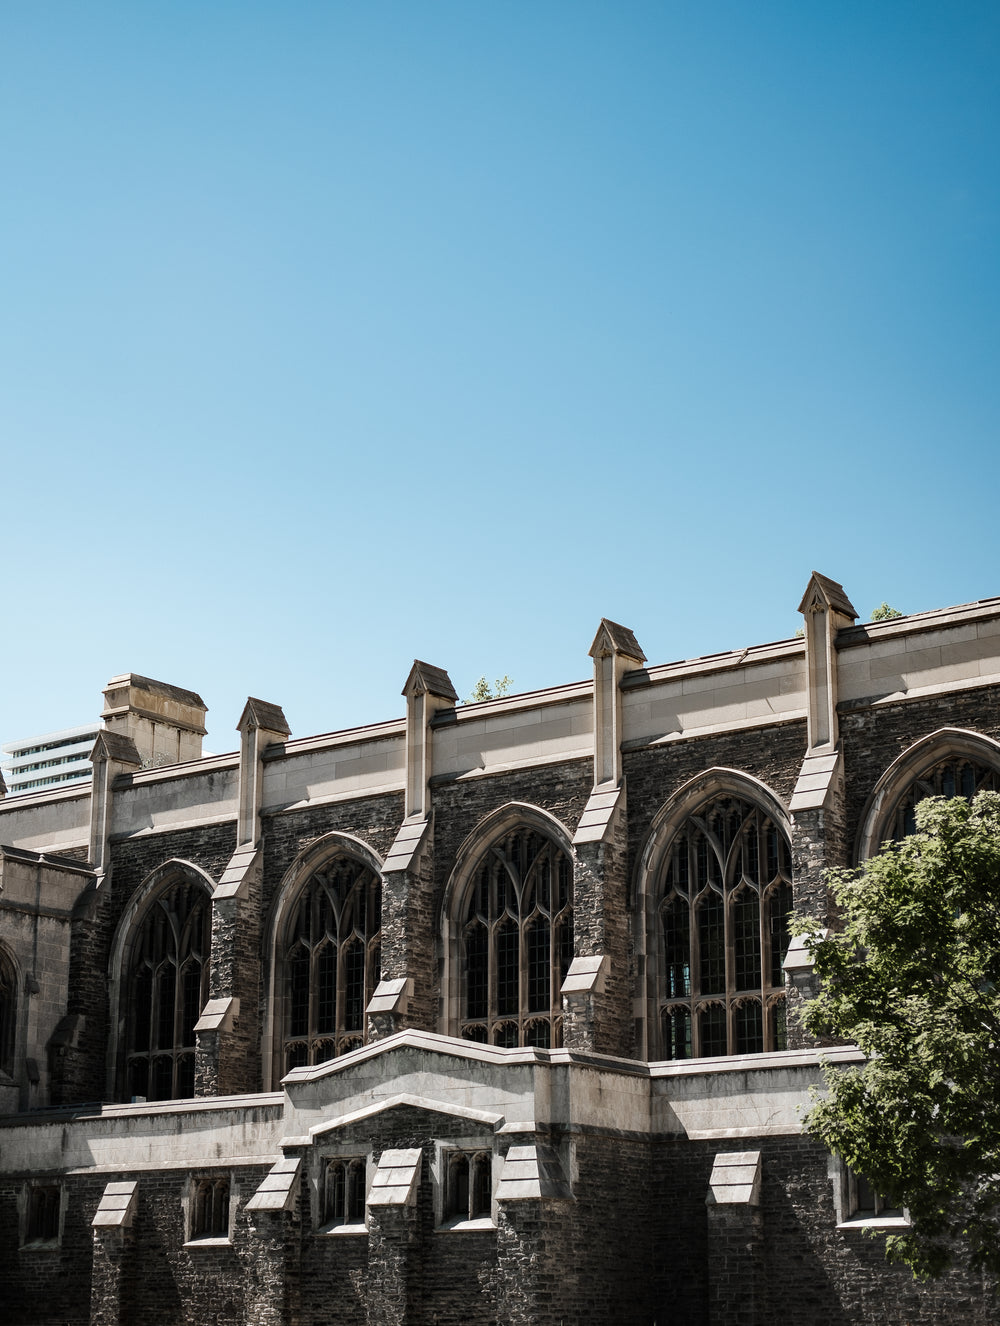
[335, 335]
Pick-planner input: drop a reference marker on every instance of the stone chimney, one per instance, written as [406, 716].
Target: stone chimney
[166, 722]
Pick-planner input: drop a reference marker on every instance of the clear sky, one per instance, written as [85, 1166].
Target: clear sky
[336, 334]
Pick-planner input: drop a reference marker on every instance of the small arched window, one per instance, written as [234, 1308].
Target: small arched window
[210, 1208]
[517, 942]
[726, 896]
[330, 961]
[956, 776]
[344, 1192]
[165, 988]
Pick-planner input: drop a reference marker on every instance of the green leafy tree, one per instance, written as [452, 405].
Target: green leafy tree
[911, 977]
[883, 613]
[482, 691]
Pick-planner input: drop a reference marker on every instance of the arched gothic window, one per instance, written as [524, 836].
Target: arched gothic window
[344, 1192]
[330, 961]
[210, 1209]
[956, 776]
[723, 923]
[165, 988]
[517, 942]
[468, 1185]
[8, 1013]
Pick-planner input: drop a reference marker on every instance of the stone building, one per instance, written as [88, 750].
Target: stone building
[485, 1015]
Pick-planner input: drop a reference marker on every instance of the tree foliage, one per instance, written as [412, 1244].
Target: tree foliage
[482, 690]
[911, 978]
[883, 613]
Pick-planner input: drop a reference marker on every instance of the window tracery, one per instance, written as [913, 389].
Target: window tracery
[517, 942]
[330, 962]
[955, 776]
[726, 896]
[166, 987]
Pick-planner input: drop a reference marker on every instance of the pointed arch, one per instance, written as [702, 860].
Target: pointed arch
[9, 986]
[323, 946]
[507, 929]
[713, 895]
[949, 762]
[159, 970]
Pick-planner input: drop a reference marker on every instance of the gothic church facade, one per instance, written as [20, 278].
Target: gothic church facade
[486, 1015]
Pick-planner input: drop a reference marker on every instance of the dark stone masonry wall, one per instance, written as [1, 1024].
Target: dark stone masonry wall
[873, 736]
[459, 805]
[375, 820]
[451, 1279]
[771, 754]
[807, 1270]
[636, 1246]
[209, 847]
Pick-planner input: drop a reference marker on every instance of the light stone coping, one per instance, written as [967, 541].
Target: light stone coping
[396, 1178]
[816, 777]
[798, 959]
[391, 996]
[227, 816]
[598, 814]
[795, 715]
[116, 1209]
[207, 764]
[194, 797]
[234, 881]
[524, 1084]
[530, 1172]
[587, 975]
[419, 1040]
[921, 692]
[484, 1117]
[539, 730]
[735, 1179]
[507, 704]
[743, 1063]
[333, 799]
[218, 1014]
[49, 824]
[406, 844]
[277, 1191]
[707, 664]
[457, 1048]
[334, 768]
[740, 1098]
[166, 1135]
[585, 752]
[394, 727]
[984, 612]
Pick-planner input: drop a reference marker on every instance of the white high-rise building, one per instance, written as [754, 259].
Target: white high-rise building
[54, 759]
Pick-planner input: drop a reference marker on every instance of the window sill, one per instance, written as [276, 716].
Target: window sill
[209, 1243]
[875, 1222]
[336, 1231]
[41, 1245]
[462, 1226]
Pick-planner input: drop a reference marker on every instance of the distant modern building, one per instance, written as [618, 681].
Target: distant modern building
[134, 705]
[54, 759]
